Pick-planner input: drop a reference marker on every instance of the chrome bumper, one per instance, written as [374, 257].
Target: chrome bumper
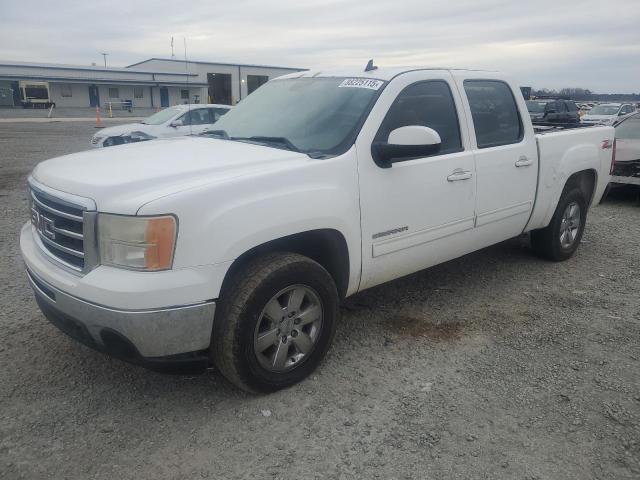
[138, 336]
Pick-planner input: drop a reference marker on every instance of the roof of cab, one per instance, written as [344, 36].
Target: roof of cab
[386, 73]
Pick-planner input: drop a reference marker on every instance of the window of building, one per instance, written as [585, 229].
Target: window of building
[65, 90]
[429, 104]
[255, 81]
[496, 119]
[138, 92]
[184, 94]
[114, 93]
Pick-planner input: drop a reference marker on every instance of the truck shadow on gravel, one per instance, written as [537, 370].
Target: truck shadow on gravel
[426, 304]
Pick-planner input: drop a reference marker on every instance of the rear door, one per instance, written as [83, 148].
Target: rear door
[505, 151]
[419, 212]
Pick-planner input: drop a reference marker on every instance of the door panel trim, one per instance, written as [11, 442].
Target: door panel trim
[422, 236]
[502, 213]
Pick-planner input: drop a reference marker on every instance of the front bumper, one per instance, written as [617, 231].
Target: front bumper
[168, 339]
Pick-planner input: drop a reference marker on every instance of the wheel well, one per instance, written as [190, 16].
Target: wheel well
[328, 247]
[585, 181]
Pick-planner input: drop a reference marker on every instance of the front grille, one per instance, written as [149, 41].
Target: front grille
[61, 227]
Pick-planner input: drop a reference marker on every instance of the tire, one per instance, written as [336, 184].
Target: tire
[244, 322]
[547, 242]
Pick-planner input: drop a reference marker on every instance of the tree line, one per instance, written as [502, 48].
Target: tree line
[585, 94]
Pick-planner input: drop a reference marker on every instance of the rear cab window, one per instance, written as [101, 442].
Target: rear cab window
[496, 118]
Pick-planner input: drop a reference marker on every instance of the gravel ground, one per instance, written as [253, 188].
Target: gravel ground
[497, 365]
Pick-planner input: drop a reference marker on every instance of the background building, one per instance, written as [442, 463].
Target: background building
[157, 82]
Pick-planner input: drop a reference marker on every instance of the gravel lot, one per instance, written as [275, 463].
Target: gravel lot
[496, 365]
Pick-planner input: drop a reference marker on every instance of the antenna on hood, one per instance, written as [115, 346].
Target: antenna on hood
[186, 69]
[370, 66]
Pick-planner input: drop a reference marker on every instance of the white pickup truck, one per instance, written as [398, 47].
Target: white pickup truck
[235, 249]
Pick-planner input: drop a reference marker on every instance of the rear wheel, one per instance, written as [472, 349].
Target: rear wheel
[275, 322]
[561, 238]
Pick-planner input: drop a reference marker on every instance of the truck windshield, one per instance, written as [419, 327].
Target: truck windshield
[535, 106]
[36, 92]
[317, 116]
[162, 116]
[604, 110]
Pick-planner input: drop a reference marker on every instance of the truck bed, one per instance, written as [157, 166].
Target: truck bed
[563, 150]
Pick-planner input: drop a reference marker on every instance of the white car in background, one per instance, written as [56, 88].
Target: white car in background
[171, 122]
[607, 113]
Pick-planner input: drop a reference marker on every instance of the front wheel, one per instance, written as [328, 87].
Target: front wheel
[275, 322]
[561, 238]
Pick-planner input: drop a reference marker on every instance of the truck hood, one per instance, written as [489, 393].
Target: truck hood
[123, 178]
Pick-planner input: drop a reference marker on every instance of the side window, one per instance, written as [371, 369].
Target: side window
[572, 107]
[216, 113]
[429, 104]
[199, 116]
[496, 119]
[186, 119]
[565, 107]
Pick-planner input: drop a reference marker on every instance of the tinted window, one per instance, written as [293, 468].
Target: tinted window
[572, 107]
[495, 115]
[216, 113]
[429, 104]
[196, 117]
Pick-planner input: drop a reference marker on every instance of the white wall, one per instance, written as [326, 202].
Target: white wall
[79, 95]
[238, 73]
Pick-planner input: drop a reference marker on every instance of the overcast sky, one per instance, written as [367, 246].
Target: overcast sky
[592, 44]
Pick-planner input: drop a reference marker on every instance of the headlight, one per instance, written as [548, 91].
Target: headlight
[138, 243]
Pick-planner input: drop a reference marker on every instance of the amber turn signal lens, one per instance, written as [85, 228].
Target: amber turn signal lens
[160, 236]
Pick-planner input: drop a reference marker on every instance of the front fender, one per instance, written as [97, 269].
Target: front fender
[218, 223]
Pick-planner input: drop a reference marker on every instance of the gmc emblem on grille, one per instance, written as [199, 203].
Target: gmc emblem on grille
[43, 224]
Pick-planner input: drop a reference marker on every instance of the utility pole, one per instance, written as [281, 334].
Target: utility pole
[172, 54]
[104, 55]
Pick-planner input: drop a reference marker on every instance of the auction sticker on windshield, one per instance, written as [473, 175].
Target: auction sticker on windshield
[361, 83]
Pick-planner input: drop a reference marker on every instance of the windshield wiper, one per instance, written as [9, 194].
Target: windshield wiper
[273, 141]
[218, 133]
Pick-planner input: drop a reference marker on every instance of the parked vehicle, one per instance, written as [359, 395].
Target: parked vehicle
[607, 113]
[34, 94]
[553, 111]
[174, 121]
[627, 167]
[235, 249]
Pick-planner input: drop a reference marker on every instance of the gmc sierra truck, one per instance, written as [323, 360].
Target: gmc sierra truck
[234, 249]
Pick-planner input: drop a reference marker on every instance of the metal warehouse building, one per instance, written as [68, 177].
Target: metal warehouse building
[157, 82]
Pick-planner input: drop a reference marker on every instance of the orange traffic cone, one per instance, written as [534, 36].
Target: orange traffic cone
[98, 119]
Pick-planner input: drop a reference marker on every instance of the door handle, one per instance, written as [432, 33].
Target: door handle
[459, 174]
[523, 162]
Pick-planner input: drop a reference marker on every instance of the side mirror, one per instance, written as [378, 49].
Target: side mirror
[177, 123]
[406, 143]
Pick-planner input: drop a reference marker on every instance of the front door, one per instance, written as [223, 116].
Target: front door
[506, 155]
[164, 97]
[420, 211]
[94, 96]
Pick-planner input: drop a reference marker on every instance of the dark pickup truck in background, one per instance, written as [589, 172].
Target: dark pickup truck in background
[553, 111]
